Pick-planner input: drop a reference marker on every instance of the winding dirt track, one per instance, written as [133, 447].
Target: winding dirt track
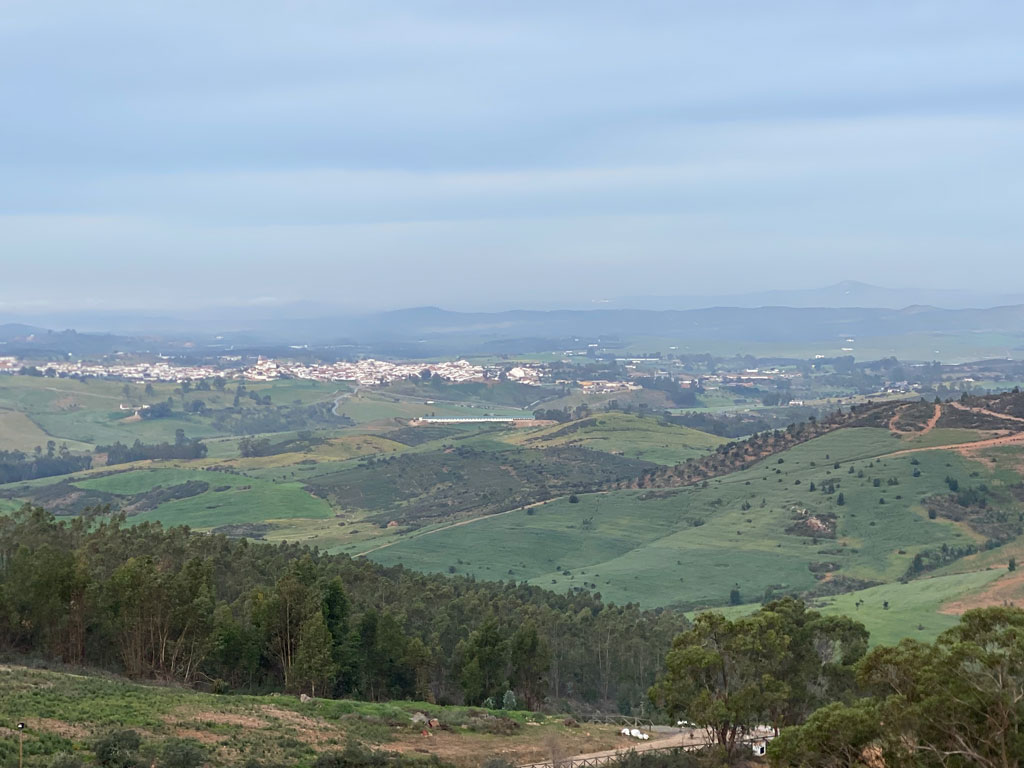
[928, 425]
[986, 412]
[966, 447]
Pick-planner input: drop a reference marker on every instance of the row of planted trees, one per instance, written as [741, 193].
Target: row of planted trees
[231, 614]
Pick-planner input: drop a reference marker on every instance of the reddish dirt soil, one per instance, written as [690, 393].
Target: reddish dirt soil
[928, 426]
[986, 412]
[1006, 590]
[967, 448]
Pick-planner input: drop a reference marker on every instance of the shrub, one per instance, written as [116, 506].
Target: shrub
[118, 750]
[66, 760]
[181, 754]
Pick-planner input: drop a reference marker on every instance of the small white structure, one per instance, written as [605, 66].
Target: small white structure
[759, 747]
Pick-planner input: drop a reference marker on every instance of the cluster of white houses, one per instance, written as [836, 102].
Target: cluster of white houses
[364, 372]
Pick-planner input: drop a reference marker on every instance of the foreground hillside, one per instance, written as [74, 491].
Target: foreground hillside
[70, 713]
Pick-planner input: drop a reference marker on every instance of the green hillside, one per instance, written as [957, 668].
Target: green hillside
[890, 612]
[646, 438]
[776, 527]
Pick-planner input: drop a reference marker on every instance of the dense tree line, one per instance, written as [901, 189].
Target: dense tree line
[268, 418]
[17, 466]
[956, 702]
[249, 447]
[182, 448]
[230, 614]
[681, 397]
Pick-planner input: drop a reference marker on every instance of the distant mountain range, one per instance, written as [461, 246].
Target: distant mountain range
[829, 314]
[424, 331]
[847, 294]
[760, 324]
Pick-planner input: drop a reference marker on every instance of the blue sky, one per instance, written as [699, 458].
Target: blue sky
[472, 155]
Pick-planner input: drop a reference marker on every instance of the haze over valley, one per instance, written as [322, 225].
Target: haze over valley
[511, 385]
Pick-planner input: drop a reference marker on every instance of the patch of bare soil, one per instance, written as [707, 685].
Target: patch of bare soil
[966, 448]
[224, 718]
[468, 750]
[1007, 590]
[311, 729]
[203, 737]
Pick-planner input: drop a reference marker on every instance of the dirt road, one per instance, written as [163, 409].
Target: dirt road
[965, 448]
[686, 739]
[928, 425]
[986, 412]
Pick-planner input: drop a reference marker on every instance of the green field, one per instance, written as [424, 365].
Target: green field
[913, 607]
[230, 500]
[620, 433]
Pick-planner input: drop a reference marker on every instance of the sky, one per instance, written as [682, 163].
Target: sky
[474, 155]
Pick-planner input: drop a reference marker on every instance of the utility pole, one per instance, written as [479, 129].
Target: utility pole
[21, 743]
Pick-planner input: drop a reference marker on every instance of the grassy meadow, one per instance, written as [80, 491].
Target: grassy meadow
[624, 434]
[917, 609]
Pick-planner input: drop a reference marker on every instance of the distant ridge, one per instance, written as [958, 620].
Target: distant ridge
[845, 294]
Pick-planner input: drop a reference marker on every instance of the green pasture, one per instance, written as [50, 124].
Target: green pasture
[913, 607]
[691, 546]
[242, 500]
[367, 406]
[625, 434]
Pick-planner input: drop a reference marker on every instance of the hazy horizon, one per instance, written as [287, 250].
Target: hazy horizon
[175, 156]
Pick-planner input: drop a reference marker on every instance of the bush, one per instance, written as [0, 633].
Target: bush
[508, 701]
[181, 754]
[574, 499]
[66, 760]
[119, 750]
